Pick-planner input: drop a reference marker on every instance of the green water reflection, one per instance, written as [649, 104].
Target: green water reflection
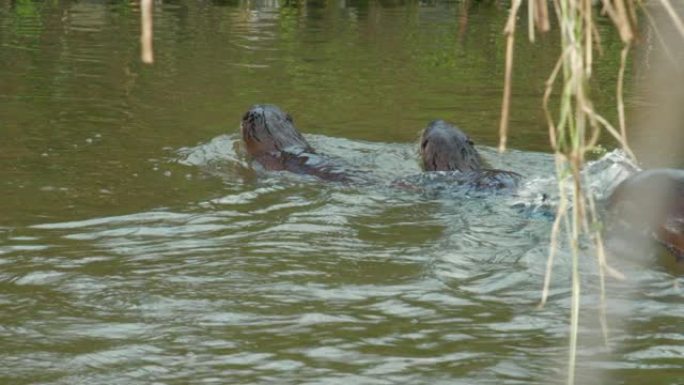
[74, 91]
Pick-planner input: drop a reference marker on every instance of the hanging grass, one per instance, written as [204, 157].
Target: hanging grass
[575, 127]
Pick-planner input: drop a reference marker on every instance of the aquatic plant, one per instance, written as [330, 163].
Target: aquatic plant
[575, 129]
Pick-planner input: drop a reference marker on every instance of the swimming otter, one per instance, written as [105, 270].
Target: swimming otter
[272, 139]
[444, 147]
[649, 205]
[448, 155]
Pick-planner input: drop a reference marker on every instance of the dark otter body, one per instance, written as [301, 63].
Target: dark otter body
[650, 204]
[449, 156]
[444, 147]
[272, 140]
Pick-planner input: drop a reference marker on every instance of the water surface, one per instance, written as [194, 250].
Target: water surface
[138, 245]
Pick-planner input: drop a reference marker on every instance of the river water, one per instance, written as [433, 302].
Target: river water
[139, 246]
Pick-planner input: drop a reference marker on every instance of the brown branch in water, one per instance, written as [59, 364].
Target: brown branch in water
[146, 53]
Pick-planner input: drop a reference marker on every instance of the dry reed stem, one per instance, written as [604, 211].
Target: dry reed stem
[555, 231]
[601, 261]
[531, 14]
[577, 129]
[597, 38]
[577, 132]
[541, 19]
[574, 162]
[146, 53]
[576, 287]
[604, 269]
[587, 11]
[609, 127]
[621, 18]
[505, 104]
[620, 98]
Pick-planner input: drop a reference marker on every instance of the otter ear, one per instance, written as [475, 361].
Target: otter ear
[288, 117]
[424, 144]
[469, 141]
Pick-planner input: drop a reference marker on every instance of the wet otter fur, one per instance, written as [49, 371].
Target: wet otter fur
[448, 154]
[272, 139]
[443, 147]
[649, 206]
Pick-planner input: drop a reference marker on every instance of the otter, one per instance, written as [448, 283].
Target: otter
[649, 205]
[444, 147]
[449, 155]
[272, 139]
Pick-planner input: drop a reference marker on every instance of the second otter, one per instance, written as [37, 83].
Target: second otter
[445, 148]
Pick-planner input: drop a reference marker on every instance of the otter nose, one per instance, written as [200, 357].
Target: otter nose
[251, 114]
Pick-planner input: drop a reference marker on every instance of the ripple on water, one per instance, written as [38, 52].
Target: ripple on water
[287, 278]
[273, 278]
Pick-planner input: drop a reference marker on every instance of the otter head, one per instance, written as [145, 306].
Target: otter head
[444, 147]
[268, 131]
